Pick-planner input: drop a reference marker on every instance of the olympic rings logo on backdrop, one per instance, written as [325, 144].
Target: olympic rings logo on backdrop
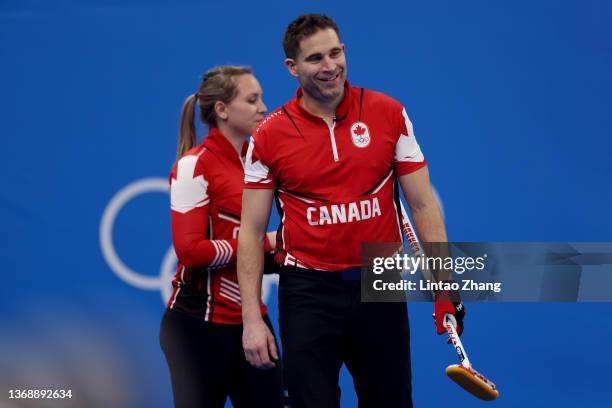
[161, 281]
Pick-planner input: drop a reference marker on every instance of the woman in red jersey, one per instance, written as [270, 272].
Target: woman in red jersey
[201, 331]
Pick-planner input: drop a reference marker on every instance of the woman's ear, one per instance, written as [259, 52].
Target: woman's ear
[221, 110]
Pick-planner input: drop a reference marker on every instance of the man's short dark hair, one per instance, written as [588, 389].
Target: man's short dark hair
[302, 27]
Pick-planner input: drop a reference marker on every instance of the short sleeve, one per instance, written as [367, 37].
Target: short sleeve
[256, 172]
[408, 155]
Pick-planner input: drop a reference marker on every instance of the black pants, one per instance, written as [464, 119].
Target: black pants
[323, 324]
[207, 365]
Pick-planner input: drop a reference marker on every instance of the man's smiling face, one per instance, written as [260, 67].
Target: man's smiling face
[320, 66]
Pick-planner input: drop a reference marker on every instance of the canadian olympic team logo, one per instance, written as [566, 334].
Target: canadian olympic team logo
[360, 134]
[162, 280]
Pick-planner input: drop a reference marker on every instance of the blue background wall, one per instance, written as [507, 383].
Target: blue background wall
[511, 105]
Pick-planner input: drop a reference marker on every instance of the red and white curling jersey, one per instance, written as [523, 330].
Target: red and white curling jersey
[335, 185]
[206, 198]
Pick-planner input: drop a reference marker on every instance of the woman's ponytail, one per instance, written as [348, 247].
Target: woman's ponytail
[187, 127]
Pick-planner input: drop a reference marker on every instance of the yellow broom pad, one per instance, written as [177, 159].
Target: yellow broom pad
[469, 380]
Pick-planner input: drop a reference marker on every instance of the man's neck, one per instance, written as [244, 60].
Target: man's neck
[324, 110]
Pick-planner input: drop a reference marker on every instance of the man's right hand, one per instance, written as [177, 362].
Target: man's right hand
[259, 345]
[448, 302]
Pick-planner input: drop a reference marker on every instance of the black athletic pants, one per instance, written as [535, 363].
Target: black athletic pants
[323, 324]
[207, 365]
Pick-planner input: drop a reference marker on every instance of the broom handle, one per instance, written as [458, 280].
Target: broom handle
[450, 323]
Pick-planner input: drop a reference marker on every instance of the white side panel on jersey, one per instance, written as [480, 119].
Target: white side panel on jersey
[407, 149]
[255, 172]
[186, 191]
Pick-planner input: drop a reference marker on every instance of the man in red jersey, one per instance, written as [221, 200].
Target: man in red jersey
[332, 155]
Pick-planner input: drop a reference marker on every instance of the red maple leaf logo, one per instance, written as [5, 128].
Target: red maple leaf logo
[359, 130]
